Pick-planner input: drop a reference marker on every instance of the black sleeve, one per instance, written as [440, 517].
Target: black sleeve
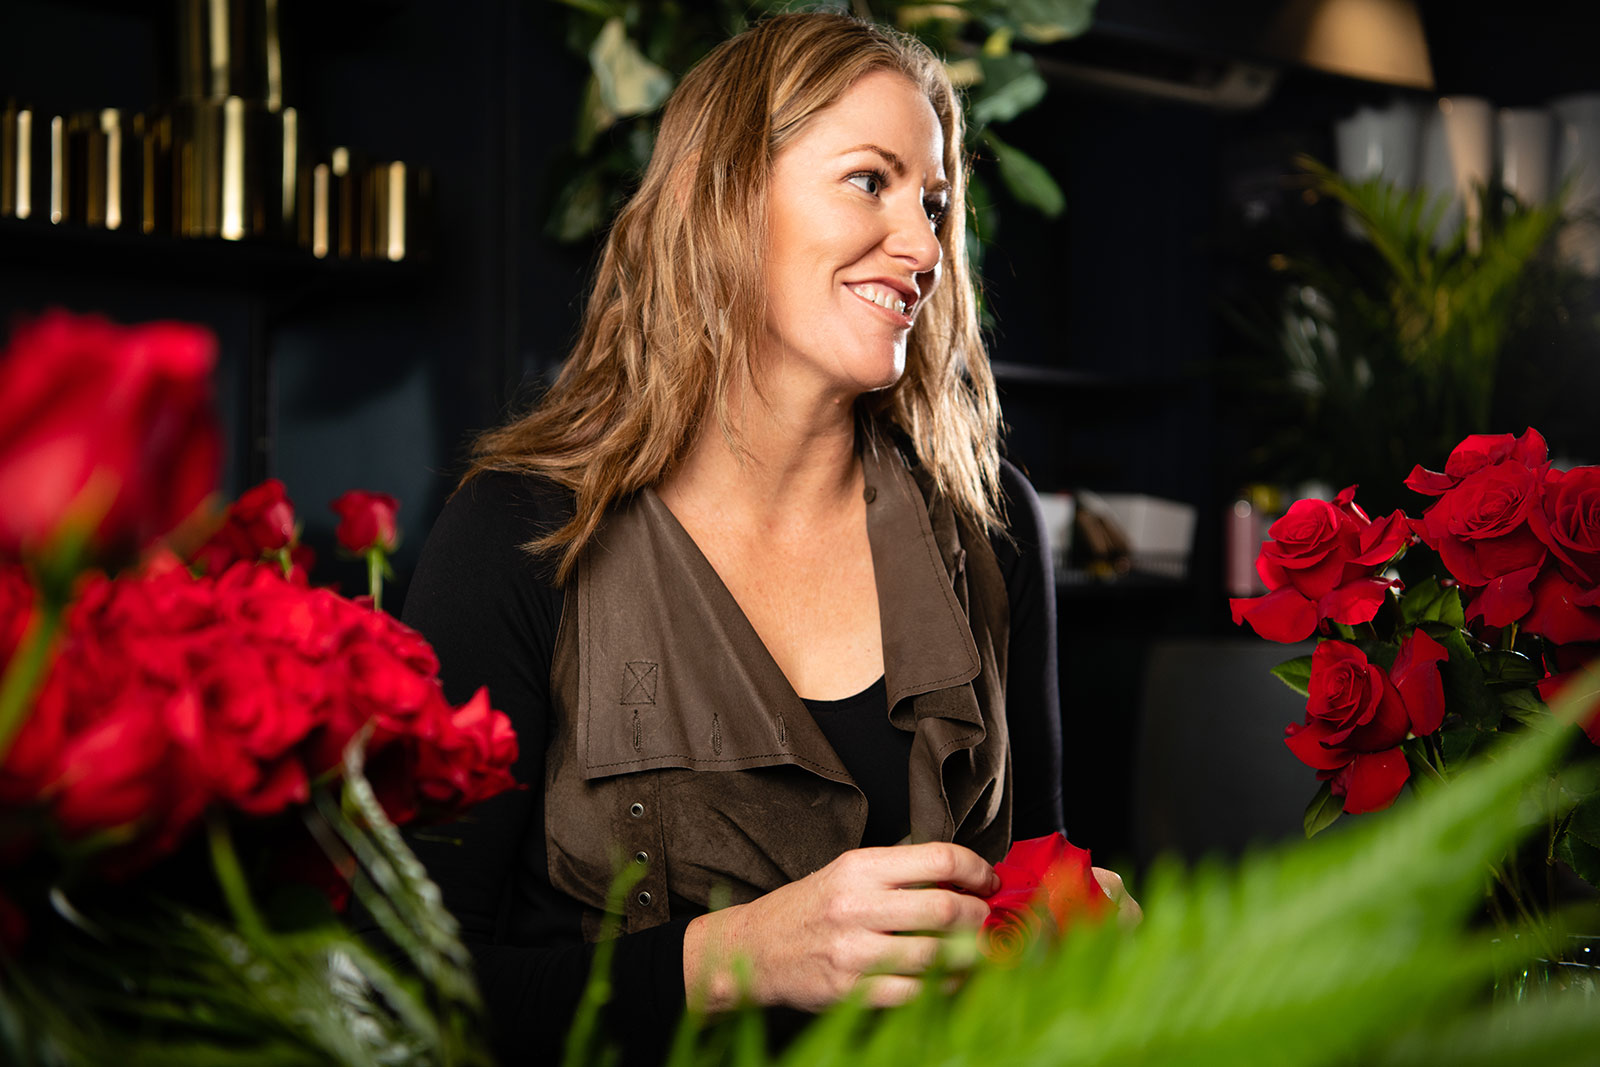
[491, 613]
[1033, 703]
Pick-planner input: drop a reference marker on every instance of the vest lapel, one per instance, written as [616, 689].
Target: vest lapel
[671, 673]
[929, 656]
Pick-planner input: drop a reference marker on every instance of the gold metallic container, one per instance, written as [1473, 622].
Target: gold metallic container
[396, 203]
[234, 164]
[24, 163]
[230, 48]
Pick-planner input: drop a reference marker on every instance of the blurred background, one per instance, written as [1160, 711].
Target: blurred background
[387, 210]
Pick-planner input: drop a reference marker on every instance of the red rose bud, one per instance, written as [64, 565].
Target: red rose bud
[106, 426]
[367, 520]
[263, 517]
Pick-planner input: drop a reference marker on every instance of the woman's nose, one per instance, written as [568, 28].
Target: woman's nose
[913, 239]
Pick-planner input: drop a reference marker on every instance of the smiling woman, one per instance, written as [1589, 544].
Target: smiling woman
[772, 619]
[853, 246]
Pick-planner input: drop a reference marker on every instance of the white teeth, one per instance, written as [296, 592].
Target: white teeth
[884, 298]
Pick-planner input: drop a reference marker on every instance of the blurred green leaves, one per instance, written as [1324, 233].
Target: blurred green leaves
[636, 51]
[1352, 948]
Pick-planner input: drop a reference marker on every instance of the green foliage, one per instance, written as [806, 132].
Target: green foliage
[1352, 948]
[1428, 601]
[636, 52]
[1392, 344]
[136, 977]
[1296, 674]
[1323, 810]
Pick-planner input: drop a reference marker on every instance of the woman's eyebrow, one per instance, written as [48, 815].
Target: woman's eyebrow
[897, 165]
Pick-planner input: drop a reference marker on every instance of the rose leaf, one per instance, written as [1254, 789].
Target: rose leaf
[1296, 674]
[1464, 690]
[1458, 746]
[1427, 601]
[1323, 810]
[1582, 857]
[1503, 665]
[1585, 822]
[1523, 704]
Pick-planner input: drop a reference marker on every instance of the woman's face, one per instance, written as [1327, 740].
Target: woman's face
[853, 249]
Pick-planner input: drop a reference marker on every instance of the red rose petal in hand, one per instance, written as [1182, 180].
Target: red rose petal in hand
[1371, 781]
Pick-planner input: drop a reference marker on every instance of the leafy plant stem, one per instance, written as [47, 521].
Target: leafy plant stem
[231, 879]
[375, 576]
[26, 671]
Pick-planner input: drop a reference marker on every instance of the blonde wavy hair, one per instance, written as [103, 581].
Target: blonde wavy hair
[678, 309]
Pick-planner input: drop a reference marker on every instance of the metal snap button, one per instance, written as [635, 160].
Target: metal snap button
[641, 857]
[636, 810]
[869, 494]
[644, 900]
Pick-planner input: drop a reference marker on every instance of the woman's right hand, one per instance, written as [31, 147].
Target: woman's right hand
[871, 918]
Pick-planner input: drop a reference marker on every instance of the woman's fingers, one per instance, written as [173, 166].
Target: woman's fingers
[909, 955]
[890, 990]
[1128, 911]
[932, 863]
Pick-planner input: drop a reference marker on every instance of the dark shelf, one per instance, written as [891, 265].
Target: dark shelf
[211, 261]
[1060, 378]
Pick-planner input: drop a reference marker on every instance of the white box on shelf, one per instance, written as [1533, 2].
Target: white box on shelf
[1160, 532]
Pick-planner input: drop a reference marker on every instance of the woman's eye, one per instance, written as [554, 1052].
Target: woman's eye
[935, 210]
[867, 182]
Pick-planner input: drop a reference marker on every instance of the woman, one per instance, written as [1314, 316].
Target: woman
[742, 579]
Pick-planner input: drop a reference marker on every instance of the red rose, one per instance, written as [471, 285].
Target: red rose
[466, 758]
[1048, 876]
[1357, 715]
[1570, 661]
[1474, 454]
[171, 694]
[1481, 525]
[106, 425]
[263, 517]
[1561, 611]
[1569, 522]
[1014, 922]
[367, 520]
[1320, 564]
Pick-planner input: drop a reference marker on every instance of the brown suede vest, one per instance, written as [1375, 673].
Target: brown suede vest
[677, 743]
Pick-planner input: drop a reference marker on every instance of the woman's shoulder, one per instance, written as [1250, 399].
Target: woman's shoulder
[490, 517]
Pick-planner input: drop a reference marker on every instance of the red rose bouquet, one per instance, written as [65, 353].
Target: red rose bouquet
[1410, 682]
[186, 749]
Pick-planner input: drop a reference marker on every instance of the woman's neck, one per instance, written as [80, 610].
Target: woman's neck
[797, 464]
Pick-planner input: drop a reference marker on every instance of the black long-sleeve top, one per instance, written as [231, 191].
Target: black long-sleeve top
[491, 612]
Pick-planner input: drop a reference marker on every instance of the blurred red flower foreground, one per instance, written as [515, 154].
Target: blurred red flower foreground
[134, 706]
[1046, 886]
[173, 693]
